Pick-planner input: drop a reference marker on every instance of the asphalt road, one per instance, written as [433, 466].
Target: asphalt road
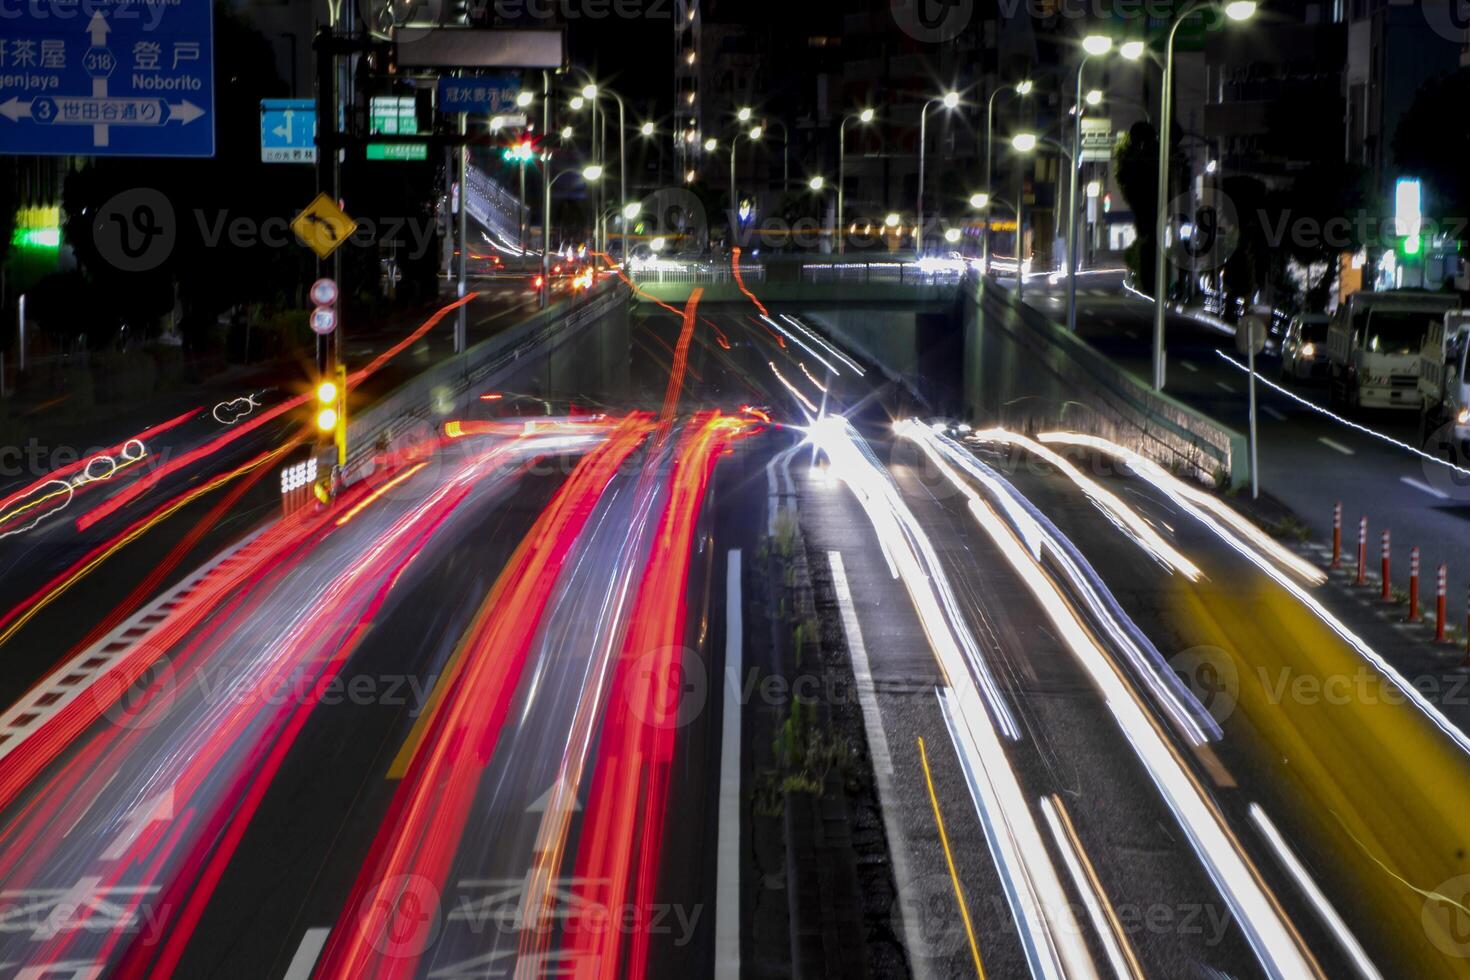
[471, 716]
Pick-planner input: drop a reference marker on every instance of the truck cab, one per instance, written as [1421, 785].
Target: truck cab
[1374, 344]
[1444, 388]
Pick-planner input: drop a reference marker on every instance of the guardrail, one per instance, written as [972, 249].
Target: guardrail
[1072, 385]
[420, 404]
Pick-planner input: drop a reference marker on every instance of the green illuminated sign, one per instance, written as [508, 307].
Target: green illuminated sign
[37, 238]
[398, 151]
[393, 115]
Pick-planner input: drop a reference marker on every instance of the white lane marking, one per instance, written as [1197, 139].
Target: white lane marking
[70, 680]
[1224, 387]
[1337, 446]
[1274, 413]
[862, 677]
[1189, 366]
[727, 851]
[1420, 485]
[312, 942]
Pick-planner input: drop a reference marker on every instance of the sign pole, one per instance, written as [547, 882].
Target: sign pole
[326, 158]
[1255, 469]
[464, 225]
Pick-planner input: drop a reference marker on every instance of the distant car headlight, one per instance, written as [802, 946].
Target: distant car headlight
[1309, 350]
[1462, 417]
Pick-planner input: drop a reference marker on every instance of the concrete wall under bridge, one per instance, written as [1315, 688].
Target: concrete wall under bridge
[977, 354]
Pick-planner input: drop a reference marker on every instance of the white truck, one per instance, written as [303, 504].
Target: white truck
[1374, 343]
[1444, 390]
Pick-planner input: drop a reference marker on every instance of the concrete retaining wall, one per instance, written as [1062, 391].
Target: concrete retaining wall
[1023, 371]
[553, 351]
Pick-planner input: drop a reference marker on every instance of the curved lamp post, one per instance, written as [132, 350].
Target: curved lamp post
[1022, 88]
[864, 117]
[1237, 10]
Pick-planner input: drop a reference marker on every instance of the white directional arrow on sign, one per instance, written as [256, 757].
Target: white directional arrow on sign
[63, 110]
[185, 112]
[97, 27]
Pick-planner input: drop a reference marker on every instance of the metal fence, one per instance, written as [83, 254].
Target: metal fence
[901, 273]
[698, 273]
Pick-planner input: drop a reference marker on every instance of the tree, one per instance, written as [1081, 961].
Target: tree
[1135, 166]
[1320, 220]
[1431, 144]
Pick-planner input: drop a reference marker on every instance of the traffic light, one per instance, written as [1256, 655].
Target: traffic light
[331, 411]
[521, 151]
[326, 404]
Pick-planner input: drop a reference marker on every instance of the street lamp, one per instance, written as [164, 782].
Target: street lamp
[950, 100]
[744, 114]
[592, 92]
[646, 129]
[566, 132]
[753, 135]
[591, 174]
[1022, 88]
[952, 235]
[577, 103]
[1237, 10]
[711, 144]
[1021, 143]
[1095, 46]
[525, 98]
[865, 117]
[816, 183]
[980, 201]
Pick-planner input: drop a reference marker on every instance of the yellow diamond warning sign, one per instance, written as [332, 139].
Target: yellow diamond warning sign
[323, 227]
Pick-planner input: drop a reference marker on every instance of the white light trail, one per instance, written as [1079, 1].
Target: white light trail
[1319, 901]
[1128, 518]
[1038, 902]
[1409, 691]
[1275, 942]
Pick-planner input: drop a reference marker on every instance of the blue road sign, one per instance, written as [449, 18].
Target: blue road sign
[485, 94]
[288, 131]
[107, 78]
